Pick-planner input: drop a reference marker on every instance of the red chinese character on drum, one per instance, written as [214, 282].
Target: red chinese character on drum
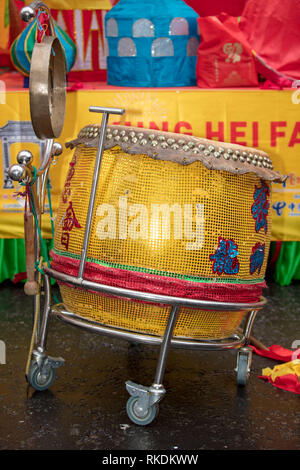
[67, 191]
[69, 222]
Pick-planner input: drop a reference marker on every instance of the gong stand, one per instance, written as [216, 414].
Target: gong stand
[47, 96]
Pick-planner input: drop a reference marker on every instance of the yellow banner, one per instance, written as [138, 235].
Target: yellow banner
[265, 119]
[77, 4]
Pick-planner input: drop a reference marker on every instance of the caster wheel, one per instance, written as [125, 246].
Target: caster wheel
[243, 369]
[138, 418]
[40, 381]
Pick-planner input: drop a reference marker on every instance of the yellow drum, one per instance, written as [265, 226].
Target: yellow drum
[174, 215]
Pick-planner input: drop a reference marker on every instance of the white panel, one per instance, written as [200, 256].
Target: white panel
[143, 28]
[112, 28]
[192, 47]
[126, 48]
[162, 47]
[179, 27]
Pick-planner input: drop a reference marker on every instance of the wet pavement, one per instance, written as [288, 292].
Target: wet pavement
[203, 407]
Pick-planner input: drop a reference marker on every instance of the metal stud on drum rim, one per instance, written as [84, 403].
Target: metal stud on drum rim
[47, 88]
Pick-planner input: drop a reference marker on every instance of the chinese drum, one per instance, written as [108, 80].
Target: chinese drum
[175, 215]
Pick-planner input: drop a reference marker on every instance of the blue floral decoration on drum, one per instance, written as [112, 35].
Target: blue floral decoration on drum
[225, 257]
[257, 258]
[260, 207]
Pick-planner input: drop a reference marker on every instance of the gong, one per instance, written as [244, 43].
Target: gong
[47, 88]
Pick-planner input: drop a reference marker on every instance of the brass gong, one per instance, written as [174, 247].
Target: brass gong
[47, 88]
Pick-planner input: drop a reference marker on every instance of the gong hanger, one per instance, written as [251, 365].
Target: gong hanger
[47, 80]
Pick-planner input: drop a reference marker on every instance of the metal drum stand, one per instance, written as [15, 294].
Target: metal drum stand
[142, 406]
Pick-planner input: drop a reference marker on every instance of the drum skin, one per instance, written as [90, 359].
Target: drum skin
[163, 227]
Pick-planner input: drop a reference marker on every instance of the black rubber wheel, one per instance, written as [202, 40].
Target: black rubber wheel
[38, 380]
[144, 420]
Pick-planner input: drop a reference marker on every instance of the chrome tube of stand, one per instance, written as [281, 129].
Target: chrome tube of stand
[37, 252]
[92, 196]
[105, 116]
[249, 324]
[46, 156]
[45, 321]
[235, 341]
[103, 109]
[149, 297]
[162, 360]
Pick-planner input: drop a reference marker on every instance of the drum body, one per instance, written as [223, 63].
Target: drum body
[166, 227]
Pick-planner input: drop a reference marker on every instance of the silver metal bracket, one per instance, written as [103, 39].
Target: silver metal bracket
[247, 352]
[147, 396]
[45, 362]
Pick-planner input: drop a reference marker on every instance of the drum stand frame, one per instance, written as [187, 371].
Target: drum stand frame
[142, 407]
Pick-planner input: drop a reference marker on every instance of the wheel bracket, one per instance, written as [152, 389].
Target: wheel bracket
[147, 396]
[45, 363]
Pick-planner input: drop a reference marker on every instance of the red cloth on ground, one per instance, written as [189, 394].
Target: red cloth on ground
[289, 382]
[276, 352]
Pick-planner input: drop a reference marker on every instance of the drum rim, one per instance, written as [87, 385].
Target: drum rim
[181, 148]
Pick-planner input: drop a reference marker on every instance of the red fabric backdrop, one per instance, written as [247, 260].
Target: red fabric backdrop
[214, 7]
[272, 29]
